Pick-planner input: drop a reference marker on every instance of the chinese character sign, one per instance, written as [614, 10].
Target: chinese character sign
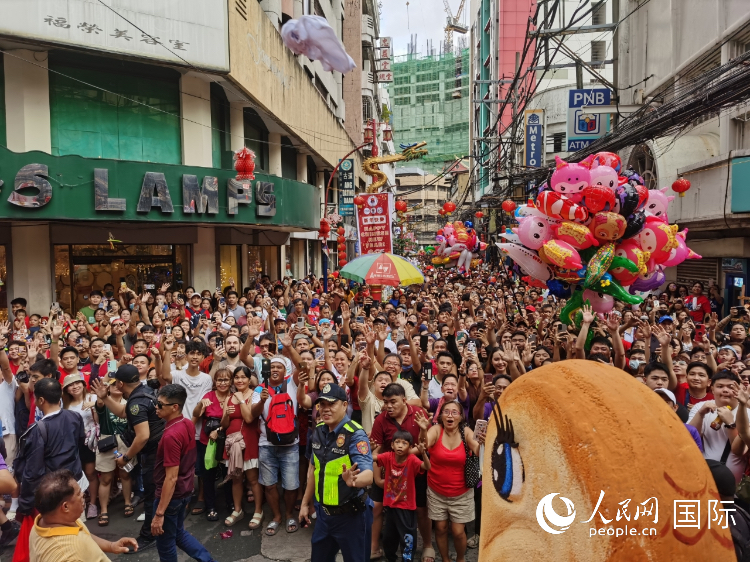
[374, 223]
[139, 28]
[346, 188]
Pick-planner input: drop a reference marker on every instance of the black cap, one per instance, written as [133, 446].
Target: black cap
[332, 393]
[723, 478]
[127, 374]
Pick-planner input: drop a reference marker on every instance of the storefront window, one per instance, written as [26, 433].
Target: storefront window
[80, 269]
[230, 265]
[262, 260]
[254, 266]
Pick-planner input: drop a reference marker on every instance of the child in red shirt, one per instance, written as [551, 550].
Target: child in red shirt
[400, 468]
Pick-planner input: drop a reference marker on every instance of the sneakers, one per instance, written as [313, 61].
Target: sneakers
[473, 542]
[91, 512]
[10, 535]
[141, 517]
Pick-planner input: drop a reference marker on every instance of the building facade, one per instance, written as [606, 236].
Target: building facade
[118, 141]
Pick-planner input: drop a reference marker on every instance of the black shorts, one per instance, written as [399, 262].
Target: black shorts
[86, 455]
[420, 486]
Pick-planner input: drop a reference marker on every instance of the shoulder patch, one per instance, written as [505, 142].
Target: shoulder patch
[363, 447]
[134, 409]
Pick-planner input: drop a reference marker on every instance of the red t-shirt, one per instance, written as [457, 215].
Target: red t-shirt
[698, 307]
[399, 490]
[177, 448]
[682, 393]
[384, 427]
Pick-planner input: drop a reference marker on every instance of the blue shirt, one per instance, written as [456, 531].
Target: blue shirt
[359, 445]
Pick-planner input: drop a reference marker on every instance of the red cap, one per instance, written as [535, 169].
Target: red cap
[531, 308]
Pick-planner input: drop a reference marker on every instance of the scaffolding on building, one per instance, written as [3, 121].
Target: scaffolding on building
[430, 97]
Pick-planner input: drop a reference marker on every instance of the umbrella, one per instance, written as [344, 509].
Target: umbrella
[382, 269]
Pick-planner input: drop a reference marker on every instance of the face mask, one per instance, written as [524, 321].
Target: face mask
[110, 294]
[635, 363]
[153, 383]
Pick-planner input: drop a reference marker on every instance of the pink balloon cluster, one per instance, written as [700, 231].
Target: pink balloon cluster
[458, 245]
[591, 213]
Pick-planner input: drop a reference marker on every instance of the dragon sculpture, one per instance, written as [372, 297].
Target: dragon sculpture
[408, 152]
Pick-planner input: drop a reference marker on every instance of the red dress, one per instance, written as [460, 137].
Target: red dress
[250, 432]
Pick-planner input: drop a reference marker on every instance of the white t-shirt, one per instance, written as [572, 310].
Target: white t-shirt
[714, 442]
[87, 415]
[434, 390]
[196, 387]
[7, 406]
[291, 390]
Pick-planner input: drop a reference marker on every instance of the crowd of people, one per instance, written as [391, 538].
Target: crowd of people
[327, 405]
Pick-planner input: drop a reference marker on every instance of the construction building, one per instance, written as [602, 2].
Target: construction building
[430, 97]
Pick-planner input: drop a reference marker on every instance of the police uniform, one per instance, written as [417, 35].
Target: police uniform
[141, 408]
[344, 514]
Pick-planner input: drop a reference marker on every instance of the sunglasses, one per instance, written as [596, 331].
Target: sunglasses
[161, 405]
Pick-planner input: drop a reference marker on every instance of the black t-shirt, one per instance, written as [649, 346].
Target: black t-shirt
[141, 408]
[414, 378]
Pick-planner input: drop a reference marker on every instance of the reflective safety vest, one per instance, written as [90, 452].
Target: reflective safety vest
[329, 457]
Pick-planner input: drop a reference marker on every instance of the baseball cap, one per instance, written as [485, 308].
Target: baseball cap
[668, 393]
[332, 393]
[531, 308]
[195, 296]
[663, 319]
[127, 374]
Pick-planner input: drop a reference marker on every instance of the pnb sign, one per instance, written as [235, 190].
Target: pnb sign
[533, 143]
[585, 127]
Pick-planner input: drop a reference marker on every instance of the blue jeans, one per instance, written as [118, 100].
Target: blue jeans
[175, 534]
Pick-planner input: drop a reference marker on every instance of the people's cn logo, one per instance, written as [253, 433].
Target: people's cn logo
[550, 520]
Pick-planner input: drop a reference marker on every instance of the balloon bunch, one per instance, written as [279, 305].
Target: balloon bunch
[458, 245]
[596, 234]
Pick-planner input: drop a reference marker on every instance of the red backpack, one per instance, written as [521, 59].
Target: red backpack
[281, 425]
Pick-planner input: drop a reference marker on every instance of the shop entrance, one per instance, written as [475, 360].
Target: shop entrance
[82, 268]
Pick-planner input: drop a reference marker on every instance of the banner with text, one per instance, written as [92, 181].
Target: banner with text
[374, 223]
[346, 188]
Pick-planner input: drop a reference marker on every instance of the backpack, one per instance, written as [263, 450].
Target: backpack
[281, 425]
[741, 533]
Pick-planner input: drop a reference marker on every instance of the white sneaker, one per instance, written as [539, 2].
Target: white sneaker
[473, 542]
[141, 517]
[11, 515]
[91, 512]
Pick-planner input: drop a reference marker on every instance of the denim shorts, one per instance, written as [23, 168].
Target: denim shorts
[274, 459]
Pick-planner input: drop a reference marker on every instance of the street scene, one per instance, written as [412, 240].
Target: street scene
[374, 280]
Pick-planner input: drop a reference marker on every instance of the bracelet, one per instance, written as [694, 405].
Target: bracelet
[53, 341]
[158, 514]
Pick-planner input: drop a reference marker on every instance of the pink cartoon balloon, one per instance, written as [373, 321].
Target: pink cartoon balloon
[600, 303]
[562, 254]
[658, 238]
[570, 179]
[630, 249]
[681, 252]
[603, 175]
[533, 232]
[577, 235]
[658, 203]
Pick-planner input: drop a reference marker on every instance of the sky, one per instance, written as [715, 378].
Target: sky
[426, 18]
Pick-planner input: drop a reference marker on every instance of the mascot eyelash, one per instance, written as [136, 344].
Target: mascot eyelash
[507, 467]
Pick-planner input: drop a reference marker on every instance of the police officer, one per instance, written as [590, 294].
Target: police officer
[340, 469]
[144, 431]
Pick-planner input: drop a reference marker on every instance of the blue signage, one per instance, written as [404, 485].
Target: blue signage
[534, 138]
[346, 188]
[585, 127]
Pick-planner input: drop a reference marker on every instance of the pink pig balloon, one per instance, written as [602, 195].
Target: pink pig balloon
[603, 175]
[626, 249]
[658, 203]
[600, 303]
[533, 232]
[681, 252]
[570, 179]
[658, 238]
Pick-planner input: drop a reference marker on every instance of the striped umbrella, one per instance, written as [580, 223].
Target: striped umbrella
[382, 269]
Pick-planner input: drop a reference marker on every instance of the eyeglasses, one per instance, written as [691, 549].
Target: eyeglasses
[681, 363]
[161, 405]
[451, 414]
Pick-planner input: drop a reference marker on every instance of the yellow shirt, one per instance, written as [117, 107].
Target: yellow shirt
[71, 544]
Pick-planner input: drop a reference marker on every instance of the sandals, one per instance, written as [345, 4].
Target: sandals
[272, 528]
[103, 520]
[292, 526]
[198, 508]
[129, 510]
[428, 554]
[212, 515]
[256, 521]
[232, 519]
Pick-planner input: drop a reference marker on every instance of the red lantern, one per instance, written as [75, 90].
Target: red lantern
[681, 185]
[340, 231]
[441, 212]
[359, 201]
[449, 207]
[342, 255]
[341, 240]
[244, 163]
[509, 206]
[342, 263]
[401, 206]
[479, 214]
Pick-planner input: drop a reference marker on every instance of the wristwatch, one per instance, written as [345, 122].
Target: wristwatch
[730, 426]
[126, 458]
